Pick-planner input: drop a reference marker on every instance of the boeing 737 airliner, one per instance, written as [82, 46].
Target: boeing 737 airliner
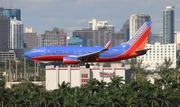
[75, 54]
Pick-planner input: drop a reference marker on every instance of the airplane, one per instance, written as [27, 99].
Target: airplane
[75, 54]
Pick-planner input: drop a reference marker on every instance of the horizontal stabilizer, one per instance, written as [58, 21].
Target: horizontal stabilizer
[142, 51]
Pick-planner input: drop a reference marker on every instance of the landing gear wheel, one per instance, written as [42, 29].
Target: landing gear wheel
[87, 65]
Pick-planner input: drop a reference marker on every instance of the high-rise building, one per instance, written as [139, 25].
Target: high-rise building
[11, 13]
[156, 38]
[136, 21]
[30, 40]
[53, 38]
[168, 25]
[16, 34]
[95, 25]
[3, 33]
[99, 37]
[125, 30]
[77, 41]
[28, 30]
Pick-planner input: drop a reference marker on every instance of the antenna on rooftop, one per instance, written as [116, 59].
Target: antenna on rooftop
[2, 6]
[10, 4]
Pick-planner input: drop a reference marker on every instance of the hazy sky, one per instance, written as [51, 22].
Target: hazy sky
[74, 14]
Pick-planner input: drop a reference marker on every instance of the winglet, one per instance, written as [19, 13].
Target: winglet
[108, 45]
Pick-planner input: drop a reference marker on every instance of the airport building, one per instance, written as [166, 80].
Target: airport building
[157, 55]
[53, 38]
[95, 25]
[7, 55]
[136, 21]
[168, 25]
[79, 76]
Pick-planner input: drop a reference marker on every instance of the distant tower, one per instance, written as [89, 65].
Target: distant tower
[136, 21]
[168, 25]
[53, 38]
[125, 30]
[95, 25]
[3, 33]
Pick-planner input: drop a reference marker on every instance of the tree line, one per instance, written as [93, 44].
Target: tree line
[140, 92]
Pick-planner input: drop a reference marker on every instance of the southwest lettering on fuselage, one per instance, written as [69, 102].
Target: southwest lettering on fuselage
[138, 34]
[76, 54]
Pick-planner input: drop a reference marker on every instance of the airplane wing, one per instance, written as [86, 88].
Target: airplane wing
[107, 47]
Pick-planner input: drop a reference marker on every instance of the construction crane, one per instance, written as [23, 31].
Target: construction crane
[10, 4]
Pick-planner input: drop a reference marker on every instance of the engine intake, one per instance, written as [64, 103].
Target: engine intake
[70, 60]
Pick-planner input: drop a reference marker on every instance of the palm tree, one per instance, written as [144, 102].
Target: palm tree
[91, 86]
[102, 85]
[2, 92]
[43, 98]
[154, 100]
[74, 97]
[116, 82]
[54, 99]
[165, 99]
[164, 67]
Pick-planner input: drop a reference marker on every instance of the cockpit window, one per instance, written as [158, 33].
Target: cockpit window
[32, 50]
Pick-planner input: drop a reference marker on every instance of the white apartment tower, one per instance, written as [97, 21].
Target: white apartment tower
[95, 25]
[136, 21]
[16, 34]
[157, 55]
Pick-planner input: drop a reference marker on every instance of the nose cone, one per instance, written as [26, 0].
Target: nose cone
[27, 54]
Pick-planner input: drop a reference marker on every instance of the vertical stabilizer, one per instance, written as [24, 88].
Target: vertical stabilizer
[139, 39]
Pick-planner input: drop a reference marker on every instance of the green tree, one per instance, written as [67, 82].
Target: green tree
[92, 86]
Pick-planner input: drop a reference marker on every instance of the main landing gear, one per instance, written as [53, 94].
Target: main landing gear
[87, 65]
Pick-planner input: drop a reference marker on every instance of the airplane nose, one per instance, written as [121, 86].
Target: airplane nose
[26, 54]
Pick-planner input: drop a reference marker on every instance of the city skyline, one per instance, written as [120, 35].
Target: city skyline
[74, 14]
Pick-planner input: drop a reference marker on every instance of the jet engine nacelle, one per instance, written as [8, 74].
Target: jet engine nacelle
[70, 60]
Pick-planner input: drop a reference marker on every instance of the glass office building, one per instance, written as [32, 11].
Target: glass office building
[11, 13]
[168, 25]
[77, 41]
